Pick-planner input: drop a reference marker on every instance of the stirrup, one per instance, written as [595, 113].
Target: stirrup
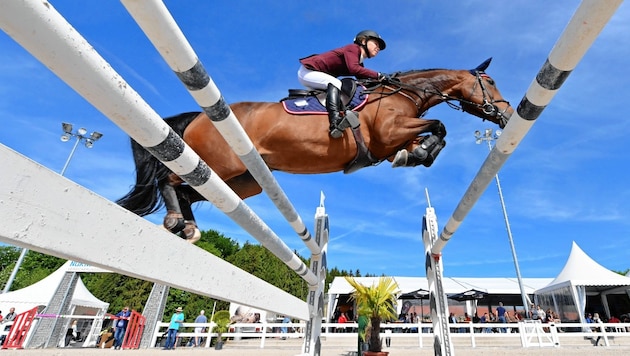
[338, 126]
[349, 119]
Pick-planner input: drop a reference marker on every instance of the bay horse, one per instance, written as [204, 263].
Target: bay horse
[390, 128]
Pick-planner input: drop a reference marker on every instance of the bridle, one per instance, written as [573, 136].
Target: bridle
[488, 107]
[411, 92]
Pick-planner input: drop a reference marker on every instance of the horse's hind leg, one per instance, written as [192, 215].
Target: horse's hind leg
[174, 220]
[190, 232]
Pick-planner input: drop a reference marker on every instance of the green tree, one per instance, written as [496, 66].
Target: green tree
[8, 258]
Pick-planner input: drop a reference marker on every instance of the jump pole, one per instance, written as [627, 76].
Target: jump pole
[162, 30]
[40, 29]
[580, 33]
[168, 39]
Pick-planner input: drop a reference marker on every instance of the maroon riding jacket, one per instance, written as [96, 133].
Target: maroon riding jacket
[343, 61]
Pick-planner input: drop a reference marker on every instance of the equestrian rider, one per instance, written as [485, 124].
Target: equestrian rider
[320, 71]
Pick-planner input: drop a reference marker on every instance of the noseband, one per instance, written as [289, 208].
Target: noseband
[488, 107]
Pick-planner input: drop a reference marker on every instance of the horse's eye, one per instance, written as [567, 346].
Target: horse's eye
[490, 81]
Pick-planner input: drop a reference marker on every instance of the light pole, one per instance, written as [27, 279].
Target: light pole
[65, 137]
[488, 136]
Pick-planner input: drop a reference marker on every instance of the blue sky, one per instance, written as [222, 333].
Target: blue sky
[566, 182]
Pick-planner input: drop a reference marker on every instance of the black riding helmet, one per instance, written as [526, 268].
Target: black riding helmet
[367, 34]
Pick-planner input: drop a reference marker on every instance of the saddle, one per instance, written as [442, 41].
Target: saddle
[313, 102]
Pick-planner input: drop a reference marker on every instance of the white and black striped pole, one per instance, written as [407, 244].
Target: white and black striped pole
[41, 30]
[158, 24]
[580, 33]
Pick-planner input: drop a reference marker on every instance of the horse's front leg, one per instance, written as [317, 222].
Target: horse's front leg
[424, 149]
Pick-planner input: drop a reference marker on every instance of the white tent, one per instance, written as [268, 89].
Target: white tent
[40, 294]
[581, 276]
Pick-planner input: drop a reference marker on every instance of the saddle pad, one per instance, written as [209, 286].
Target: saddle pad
[310, 105]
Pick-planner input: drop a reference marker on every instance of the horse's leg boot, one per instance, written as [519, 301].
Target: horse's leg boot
[433, 152]
[424, 154]
[335, 112]
[174, 222]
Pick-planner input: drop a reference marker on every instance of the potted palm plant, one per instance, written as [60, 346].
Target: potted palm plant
[377, 303]
[221, 320]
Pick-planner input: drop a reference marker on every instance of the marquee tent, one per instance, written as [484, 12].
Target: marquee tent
[40, 294]
[580, 277]
[497, 288]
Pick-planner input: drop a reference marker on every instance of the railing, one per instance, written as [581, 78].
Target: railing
[528, 333]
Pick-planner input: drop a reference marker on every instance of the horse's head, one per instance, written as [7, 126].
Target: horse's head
[479, 96]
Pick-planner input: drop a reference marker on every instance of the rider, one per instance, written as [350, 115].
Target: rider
[320, 71]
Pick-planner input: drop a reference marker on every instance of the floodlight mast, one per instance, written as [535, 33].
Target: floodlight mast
[65, 137]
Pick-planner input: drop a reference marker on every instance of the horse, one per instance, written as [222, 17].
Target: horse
[390, 126]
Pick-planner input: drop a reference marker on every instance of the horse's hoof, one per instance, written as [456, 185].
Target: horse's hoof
[174, 223]
[400, 160]
[195, 237]
[191, 235]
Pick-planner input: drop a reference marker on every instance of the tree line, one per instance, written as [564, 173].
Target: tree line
[120, 291]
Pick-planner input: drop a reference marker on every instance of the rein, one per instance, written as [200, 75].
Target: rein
[397, 87]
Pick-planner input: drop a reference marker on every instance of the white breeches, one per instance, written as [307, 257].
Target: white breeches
[316, 80]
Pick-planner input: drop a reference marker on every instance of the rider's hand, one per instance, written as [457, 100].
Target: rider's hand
[382, 77]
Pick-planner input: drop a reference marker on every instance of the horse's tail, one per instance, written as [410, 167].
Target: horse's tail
[144, 198]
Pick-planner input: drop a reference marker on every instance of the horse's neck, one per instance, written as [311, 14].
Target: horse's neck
[444, 81]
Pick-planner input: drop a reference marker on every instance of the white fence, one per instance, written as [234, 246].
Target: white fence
[525, 334]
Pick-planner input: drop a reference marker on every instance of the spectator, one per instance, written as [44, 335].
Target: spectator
[542, 316]
[120, 325]
[483, 320]
[597, 320]
[342, 320]
[452, 320]
[476, 320]
[589, 318]
[71, 333]
[501, 316]
[171, 335]
[284, 329]
[201, 319]
[9, 317]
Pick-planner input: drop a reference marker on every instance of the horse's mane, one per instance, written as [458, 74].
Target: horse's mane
[414, 71]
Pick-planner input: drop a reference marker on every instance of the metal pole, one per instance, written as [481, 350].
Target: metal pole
[74, 148]
[79, 137]
[15, 269]
[509, 232]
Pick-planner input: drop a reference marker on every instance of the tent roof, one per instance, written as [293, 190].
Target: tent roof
[452, 285]
[41, 293]
[582, 270]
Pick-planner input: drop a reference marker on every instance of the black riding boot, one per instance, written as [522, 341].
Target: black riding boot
[335, 111]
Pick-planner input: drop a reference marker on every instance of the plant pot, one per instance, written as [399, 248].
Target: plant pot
[373, 353]
[365, 346]
[219, 345]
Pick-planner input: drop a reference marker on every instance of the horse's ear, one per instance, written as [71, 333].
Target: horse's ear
[482, 67]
